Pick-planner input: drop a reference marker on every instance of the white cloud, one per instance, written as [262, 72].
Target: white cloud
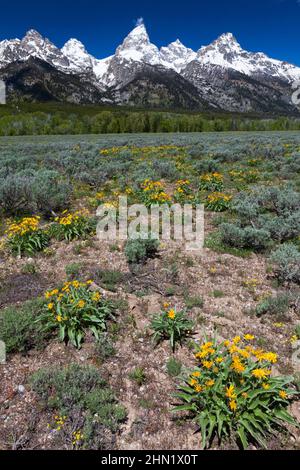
[140, 20]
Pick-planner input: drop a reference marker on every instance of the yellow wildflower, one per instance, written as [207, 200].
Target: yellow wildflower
[232, 405]
[196, 374]
[268, 356]
[249, 337]
[236, 340]
[210, 383]
[230, 392]
[237, 365]
[96, 297]
[261, 373]
[283, 395]
[171, 314]
[208, 364]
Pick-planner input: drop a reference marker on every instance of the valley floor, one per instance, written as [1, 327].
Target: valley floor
[220, 288]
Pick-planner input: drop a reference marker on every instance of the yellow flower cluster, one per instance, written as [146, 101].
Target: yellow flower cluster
[155, 191]
[235, 359]
[66, 288]
[139, 150]
[251, 283]
[26, 225]
[212, 177]
[68, 218]
[149, 185]
[218, 197]
[57, 295]
[113, 150]
[77, 437]
[261, 373]
[59, 422]
[183, 183]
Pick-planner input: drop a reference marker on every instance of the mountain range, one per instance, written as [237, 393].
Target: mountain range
[219, 77]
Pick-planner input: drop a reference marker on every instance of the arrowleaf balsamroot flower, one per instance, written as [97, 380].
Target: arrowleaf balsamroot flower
[172, 325]
[219, 397]
[26, 236]
[75, 308]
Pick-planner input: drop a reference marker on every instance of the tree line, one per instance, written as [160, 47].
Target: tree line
[106, 122]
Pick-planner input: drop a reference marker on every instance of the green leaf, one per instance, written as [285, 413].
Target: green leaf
[185, 397]
[285, 416]
[184, 408]
[242, 436]
[203, 423]
[62, 332]
[253, 433]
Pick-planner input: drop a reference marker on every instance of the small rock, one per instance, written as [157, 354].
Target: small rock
[21, 389]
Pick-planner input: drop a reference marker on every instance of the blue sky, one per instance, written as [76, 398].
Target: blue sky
[271, 26]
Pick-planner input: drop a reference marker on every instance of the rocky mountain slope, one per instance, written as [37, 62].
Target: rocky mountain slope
[220, 76]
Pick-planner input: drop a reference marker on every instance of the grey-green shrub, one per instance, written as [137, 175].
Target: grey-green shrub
[277, 305]
[137, 251]
[18, 327]
[248, 237]
[82, 395]
[286, 260]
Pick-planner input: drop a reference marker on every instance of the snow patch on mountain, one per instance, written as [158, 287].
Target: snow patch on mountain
[137, 47]
[176, 56]
[227, 53]
[80, 60]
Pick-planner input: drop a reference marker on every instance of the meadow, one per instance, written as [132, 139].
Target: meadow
[141, 344]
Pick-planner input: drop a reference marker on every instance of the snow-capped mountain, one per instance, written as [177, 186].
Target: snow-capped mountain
[228, 54]
[176, 56]
[8, 51]
[221, 75]
[34, 45]
[137, 47]
[79, 59]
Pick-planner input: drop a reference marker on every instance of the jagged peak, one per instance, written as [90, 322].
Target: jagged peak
[226, 39]
[74, 44]
[177, 43]
[33, 33]
[139, 31]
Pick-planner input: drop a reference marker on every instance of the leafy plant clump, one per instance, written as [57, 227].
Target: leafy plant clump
[231, 393]
[19, 330]
[172, 325]
[174, 367]
[85, 408]
[26, 236]
[218, 202]
[72, 226]
[74, 309]
[138, 375]
[286, 260]
[264, 217]
[277, 305]
[138, 251]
